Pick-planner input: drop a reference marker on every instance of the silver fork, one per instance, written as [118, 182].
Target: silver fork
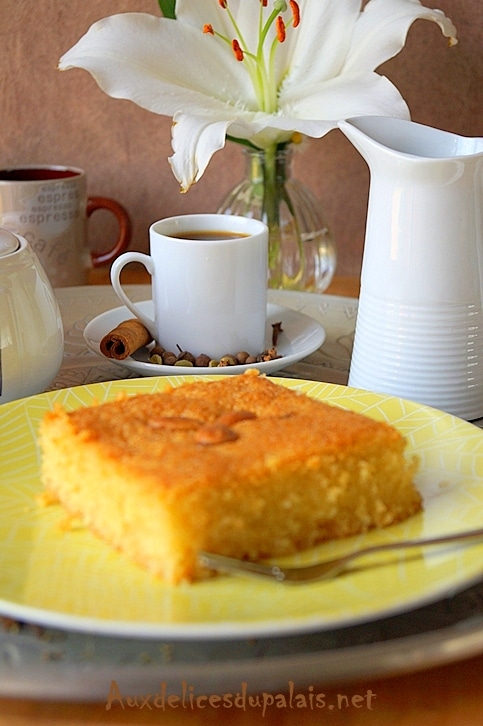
[322, 570]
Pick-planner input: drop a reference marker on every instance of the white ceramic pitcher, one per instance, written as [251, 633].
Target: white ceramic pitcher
[419, 332]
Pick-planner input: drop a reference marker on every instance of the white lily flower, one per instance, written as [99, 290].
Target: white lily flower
[255, 70]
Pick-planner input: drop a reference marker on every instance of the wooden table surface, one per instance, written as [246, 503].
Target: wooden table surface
[447, 696]
[450, 695]
[136, 274]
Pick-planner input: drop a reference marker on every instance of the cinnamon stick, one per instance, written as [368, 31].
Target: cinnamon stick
[125, 339]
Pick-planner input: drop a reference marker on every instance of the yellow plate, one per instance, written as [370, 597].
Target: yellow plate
[71, 579]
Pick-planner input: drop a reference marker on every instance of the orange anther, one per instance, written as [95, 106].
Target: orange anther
[208, 28]
[237, 50]
[280, 29]
[295, 13]
[223, 3]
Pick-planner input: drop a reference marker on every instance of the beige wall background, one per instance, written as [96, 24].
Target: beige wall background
[51, 117]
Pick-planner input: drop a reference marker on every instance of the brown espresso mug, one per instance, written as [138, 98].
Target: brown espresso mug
[49, 206]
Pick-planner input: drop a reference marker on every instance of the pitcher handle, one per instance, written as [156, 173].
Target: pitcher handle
[116, 270]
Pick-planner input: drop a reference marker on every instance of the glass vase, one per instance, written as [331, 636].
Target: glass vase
[302, 254]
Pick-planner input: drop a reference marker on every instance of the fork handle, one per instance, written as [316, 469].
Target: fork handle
[231, 564]
[328, 568]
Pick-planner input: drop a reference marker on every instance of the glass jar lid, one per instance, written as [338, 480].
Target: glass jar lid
[8, 243]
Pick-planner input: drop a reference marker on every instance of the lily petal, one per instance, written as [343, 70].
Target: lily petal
[150, 61]
[321, 43]
[194, 139]
[381, 30]
[369, 93]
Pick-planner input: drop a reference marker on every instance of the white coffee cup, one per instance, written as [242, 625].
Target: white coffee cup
[209, 295]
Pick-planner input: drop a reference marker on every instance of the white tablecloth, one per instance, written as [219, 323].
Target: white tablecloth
[79, 305]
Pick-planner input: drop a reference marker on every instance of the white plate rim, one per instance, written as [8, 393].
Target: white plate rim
[232, 629]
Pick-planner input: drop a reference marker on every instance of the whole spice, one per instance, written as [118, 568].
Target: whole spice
[227, 360]
[187, 360]
[169, 359]
[242, 357]
[185, 355]
[202, 361]
[125, 339]
[276, 330]
[131, 335]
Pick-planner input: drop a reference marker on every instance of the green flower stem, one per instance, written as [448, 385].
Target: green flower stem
[268, 170]
[272, 213]
[301, 253]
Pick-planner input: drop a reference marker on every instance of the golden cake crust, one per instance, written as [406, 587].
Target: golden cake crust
[241, 466]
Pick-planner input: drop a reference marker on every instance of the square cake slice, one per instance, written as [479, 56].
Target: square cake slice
[241, 466]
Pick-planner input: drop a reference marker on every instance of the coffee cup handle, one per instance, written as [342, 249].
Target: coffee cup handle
[116, 270]
[125, 229]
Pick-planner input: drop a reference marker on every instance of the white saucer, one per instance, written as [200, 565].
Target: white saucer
[301, 336]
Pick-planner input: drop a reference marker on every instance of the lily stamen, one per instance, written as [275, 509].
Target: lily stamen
[281, 32]
[260, 65]
[295, 13]
[237, 50]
